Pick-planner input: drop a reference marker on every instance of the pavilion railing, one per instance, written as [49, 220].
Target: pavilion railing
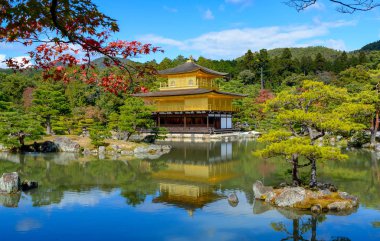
[210, 107]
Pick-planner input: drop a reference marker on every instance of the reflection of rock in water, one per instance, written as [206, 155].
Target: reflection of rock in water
[10, 200]
[260, 207]
[61, 158]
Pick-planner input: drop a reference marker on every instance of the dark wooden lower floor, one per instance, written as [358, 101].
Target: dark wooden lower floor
[182, 122]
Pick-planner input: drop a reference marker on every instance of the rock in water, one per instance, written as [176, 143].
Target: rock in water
[316, 208]
[101, 150]
[260, 190]
[233, 200]
[10, 183]
[289, 196]
[340, 206]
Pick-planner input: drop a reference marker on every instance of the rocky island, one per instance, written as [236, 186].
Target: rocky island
[317, 200]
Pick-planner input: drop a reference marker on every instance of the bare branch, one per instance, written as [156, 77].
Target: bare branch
[349, 6]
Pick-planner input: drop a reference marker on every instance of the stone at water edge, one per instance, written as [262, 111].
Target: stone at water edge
[316, 208]
[290, 196]
[354, 200]
[233, 200]
[101, 150]
[10, 183]
[126, 153]
[340, 206]
[260, 191]
[66, 144]
[86, 152]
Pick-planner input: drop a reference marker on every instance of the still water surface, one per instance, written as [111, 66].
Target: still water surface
[181, 196]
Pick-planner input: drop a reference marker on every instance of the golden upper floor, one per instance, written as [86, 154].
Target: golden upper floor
[189, 76]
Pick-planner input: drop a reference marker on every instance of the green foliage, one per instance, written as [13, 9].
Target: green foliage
[371, 46]
[298, 53]
[98, 133]
[302, 146]
[17, 127]
[135, 115]
[49, 101]
[354, 79]
[13, 86]
[306, 113]
[159, 133]
[77, 93]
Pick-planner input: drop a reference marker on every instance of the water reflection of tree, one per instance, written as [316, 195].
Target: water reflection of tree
[54, 180]
[301, 227]
[362, 169]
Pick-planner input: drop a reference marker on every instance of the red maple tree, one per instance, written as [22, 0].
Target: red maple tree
[66, 35]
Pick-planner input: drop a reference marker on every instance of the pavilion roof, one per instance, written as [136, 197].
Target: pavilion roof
[190, 67]
[185, 92]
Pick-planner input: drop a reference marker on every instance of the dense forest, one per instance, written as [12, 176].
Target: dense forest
[32, 106]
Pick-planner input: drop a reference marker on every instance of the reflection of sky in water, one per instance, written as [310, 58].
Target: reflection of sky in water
[104, 216]
[98, 212]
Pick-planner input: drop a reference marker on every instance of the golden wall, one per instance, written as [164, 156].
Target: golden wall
[204, 103]
[188, 82]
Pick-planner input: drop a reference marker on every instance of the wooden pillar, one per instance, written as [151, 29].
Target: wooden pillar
[207, 120]
[158, 120]
[184, 121]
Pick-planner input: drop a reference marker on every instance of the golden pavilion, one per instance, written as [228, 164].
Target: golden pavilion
[190, 100]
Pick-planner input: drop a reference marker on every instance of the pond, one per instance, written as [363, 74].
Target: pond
[181, 196]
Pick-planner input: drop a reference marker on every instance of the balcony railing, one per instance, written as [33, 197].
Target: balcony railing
[210, 107]
[198, 84]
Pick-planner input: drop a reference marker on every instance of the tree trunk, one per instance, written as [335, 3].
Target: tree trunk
[129, 135]
[296, 233]
[313, 175]
[21, 139]
[313, 228]
[262, 77]
[48, 125]
[295, 179]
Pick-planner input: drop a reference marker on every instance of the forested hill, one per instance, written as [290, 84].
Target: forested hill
[371, 46]
[298, 53]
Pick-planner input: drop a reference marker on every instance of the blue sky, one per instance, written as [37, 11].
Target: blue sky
[226, 29]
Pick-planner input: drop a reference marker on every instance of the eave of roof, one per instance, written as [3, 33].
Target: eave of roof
[185, 92]
[189, 67]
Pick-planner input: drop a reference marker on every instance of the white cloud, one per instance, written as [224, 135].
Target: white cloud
[241, 3]
[151, 38]
[170, 9]
[2, 58]
[208, 15]
[17, 59]
[232, 43]
[337, 44]
[316, 6]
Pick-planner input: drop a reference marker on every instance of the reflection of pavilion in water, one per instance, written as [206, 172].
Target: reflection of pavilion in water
[193, 172]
